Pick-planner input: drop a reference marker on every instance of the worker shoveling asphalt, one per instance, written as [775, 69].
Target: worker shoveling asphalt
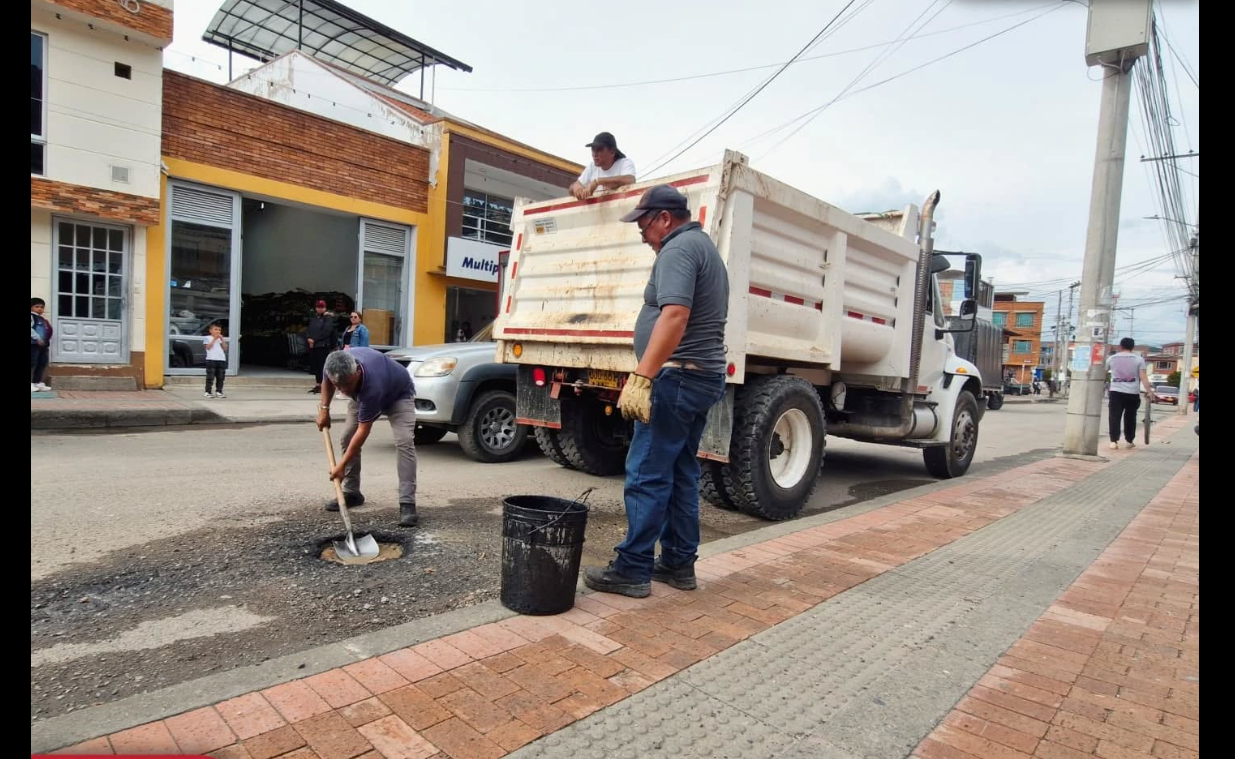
[375, 385]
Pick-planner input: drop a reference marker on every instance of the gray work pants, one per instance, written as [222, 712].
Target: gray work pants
[402, 418]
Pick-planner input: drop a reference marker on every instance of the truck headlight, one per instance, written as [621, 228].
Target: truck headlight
[437, 367]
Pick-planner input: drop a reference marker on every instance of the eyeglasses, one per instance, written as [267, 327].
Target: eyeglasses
[648, 220]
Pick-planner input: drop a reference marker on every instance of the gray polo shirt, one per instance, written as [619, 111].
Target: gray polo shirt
[688, 272]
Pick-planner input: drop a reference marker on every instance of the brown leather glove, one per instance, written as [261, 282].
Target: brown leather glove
[635, 402]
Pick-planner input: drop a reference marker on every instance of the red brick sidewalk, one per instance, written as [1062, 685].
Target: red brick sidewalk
[487, 691]
[1112, 669]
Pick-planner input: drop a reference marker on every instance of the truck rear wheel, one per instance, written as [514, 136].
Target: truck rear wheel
[994, 401]
[551, 446]
[777, 447]
[712, 486]
[953, 459]
[592, 441]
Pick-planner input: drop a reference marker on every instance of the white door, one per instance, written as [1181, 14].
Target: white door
[91, 317]
[384, 293]
[203, 275]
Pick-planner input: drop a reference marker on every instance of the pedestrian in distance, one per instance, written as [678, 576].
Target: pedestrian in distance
[40, 344]
[1127, 371]
[680, 346]
[320, 338]
[357, 334]
[216, 361]
[376, 385]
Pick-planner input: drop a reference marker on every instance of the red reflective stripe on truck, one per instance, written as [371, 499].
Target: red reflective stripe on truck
[853, 315]
[519, 241]
[507, 304]
[792, 300]
[760, 292]
[877, 320]
[795, 300]
[703, 216]
[607, 198]
[514, 269]
[569, 332]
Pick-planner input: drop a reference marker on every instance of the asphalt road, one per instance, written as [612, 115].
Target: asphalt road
[158, 557]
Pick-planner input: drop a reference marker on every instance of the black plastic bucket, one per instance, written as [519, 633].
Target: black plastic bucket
[542, 545]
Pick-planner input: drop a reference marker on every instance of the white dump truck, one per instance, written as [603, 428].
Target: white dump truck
[836, 327]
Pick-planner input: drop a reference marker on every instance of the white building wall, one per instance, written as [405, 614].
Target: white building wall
[296, 80]
[95, 119]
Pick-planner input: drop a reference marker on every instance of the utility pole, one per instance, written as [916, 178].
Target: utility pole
[1068, 326]
[1118, 33]
[1194, 316]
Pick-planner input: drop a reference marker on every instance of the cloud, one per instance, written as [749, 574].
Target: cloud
[889, 195]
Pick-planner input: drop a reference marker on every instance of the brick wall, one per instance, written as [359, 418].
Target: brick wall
[62, 197]
[213, 125]
[151, 19]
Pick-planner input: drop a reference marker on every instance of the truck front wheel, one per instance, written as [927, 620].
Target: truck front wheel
[777, 447]
[953, 459]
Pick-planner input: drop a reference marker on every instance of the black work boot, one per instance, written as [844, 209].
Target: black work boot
[407, 515]
[353, 500]
[682, 578]
[606, 580]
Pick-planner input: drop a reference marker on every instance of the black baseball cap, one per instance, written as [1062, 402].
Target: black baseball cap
[605, 140]
[662, 197]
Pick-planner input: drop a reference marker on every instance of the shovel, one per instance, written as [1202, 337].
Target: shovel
[352, 549]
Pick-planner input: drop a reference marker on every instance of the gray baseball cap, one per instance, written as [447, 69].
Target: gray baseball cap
[662, 197]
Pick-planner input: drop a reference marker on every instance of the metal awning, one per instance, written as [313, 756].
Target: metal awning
[327, 30]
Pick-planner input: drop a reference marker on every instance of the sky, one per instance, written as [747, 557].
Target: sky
[1005, 129]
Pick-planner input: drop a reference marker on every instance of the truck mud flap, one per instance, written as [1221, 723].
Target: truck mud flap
[534, 405]
[719, 430]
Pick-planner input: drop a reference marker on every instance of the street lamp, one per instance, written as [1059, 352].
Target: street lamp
[1166, 218]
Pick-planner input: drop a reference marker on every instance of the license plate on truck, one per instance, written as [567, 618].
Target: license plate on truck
[602, 378]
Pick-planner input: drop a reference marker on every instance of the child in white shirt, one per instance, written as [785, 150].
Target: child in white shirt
[216, 361]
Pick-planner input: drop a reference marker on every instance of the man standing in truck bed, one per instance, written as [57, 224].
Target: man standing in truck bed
[680, 344]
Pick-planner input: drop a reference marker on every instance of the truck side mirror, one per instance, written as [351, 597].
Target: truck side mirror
[973, 274]
[969, 307]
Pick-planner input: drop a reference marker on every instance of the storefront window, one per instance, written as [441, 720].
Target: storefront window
[487, 217]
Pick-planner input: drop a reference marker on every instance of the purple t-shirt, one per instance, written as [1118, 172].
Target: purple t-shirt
[385, 383]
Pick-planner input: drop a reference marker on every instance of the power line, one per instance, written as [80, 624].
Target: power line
[759, 89]
[869, 67]
[726, 72]
[819, 109]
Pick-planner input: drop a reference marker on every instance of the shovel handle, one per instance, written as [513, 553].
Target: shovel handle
[338, 486]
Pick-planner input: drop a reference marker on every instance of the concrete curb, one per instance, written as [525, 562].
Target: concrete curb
[62, 419]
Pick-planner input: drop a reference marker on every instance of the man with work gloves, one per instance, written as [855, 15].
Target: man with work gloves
[680, 345]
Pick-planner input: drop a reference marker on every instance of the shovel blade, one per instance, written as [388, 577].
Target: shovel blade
[356, 549]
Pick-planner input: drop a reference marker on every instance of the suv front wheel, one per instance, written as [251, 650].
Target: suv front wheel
[490, 434]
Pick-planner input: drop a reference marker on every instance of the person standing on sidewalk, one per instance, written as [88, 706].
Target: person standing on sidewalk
[357, 334]
[375, 385]
[1127, 371]
[320, 337]
[680, 345]
[40, 342]
[216, 361]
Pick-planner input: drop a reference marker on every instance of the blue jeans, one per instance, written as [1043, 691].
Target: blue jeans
[662, 474]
